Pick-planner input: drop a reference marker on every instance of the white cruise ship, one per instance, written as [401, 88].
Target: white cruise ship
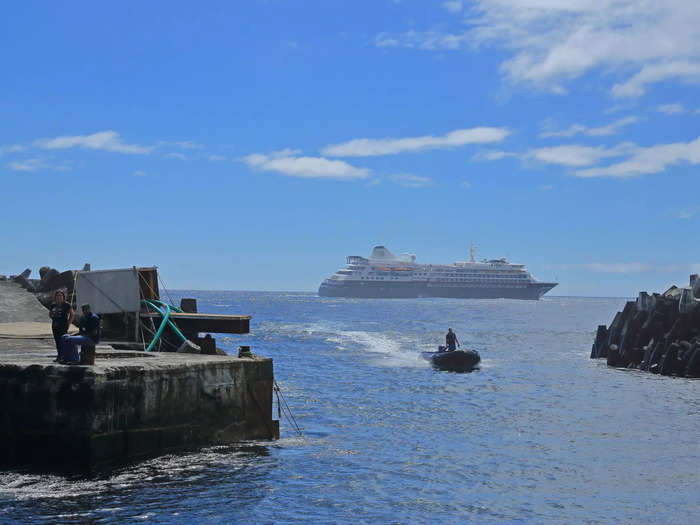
[385, 275]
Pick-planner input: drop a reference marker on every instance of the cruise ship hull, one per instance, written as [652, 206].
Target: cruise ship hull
[407, 290]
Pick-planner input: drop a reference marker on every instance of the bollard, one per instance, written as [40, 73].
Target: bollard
[87, 355]
[189, 305]
[208, 344]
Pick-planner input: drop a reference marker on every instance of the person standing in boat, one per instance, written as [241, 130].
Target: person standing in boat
[451, 340]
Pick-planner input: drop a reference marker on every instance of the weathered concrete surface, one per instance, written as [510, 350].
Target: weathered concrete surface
[130, 404]
[16, 304]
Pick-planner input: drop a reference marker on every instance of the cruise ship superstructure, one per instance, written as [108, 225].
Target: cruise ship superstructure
[385, 275]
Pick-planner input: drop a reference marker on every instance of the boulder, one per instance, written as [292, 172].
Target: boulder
[680, 329]
[692, 367]
[653, 328]
[61, 280]
[670, 364]
[600, 348]
[620, 322]
[27, 284]
[614, 356]
[630, 336]
[644, 365]
[634, 357]
[673, 292]
[47, 277]
[655, 356]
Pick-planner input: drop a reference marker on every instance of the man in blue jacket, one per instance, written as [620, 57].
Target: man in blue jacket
[88, 335]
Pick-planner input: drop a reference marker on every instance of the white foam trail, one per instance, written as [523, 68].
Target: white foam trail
[391, 350]
[388, 349]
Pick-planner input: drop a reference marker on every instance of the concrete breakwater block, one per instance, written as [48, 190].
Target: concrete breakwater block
[658, 333]
[129, 405]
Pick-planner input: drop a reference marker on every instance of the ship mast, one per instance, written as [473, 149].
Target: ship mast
[472, 252]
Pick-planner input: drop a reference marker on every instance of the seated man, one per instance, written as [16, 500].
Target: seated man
[451, 340]
[88, 335]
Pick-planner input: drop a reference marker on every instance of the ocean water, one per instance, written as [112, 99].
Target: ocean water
[540, 434]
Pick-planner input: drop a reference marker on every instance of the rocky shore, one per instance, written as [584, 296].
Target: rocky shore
[657, 333]
[50, 281]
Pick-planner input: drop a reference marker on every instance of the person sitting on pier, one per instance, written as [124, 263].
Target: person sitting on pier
[88, 335]
[451, 340]
[61, 315]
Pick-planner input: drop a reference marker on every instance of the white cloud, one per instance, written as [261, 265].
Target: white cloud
[428, 40]
[466, 185]
[140, 173]
[671, 109]
[634, 160]
[545, 187]
[392, 146]
[175, 155]
[28, 165]
[36, 164]
[11, 148]
[382, 40]
[695, 268]
[102, 140]
[576, 129]
[454, 6]
[411, 181]
[688, 213]
[492, 154]
[576, 155]
[288, 163]
[645, 160]
[215, 158]
[653, 73]
[184, 144]
[551, 42]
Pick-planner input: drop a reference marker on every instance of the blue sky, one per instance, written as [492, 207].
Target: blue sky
[253, 145]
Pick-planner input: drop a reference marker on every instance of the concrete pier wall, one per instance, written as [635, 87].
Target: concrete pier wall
[129, 405]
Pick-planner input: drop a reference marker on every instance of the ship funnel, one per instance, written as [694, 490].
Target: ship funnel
[380, 252]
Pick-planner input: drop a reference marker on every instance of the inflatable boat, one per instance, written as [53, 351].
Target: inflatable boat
[454, 361]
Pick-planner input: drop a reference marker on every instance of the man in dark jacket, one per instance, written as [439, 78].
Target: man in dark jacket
[451, 340]
[89, 335]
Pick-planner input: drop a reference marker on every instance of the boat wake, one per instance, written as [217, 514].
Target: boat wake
[384, 348]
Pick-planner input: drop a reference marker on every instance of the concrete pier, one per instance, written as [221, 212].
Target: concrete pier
[128, 405]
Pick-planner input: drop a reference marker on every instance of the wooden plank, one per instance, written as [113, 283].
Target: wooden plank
[191, 323]
[193, 315]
